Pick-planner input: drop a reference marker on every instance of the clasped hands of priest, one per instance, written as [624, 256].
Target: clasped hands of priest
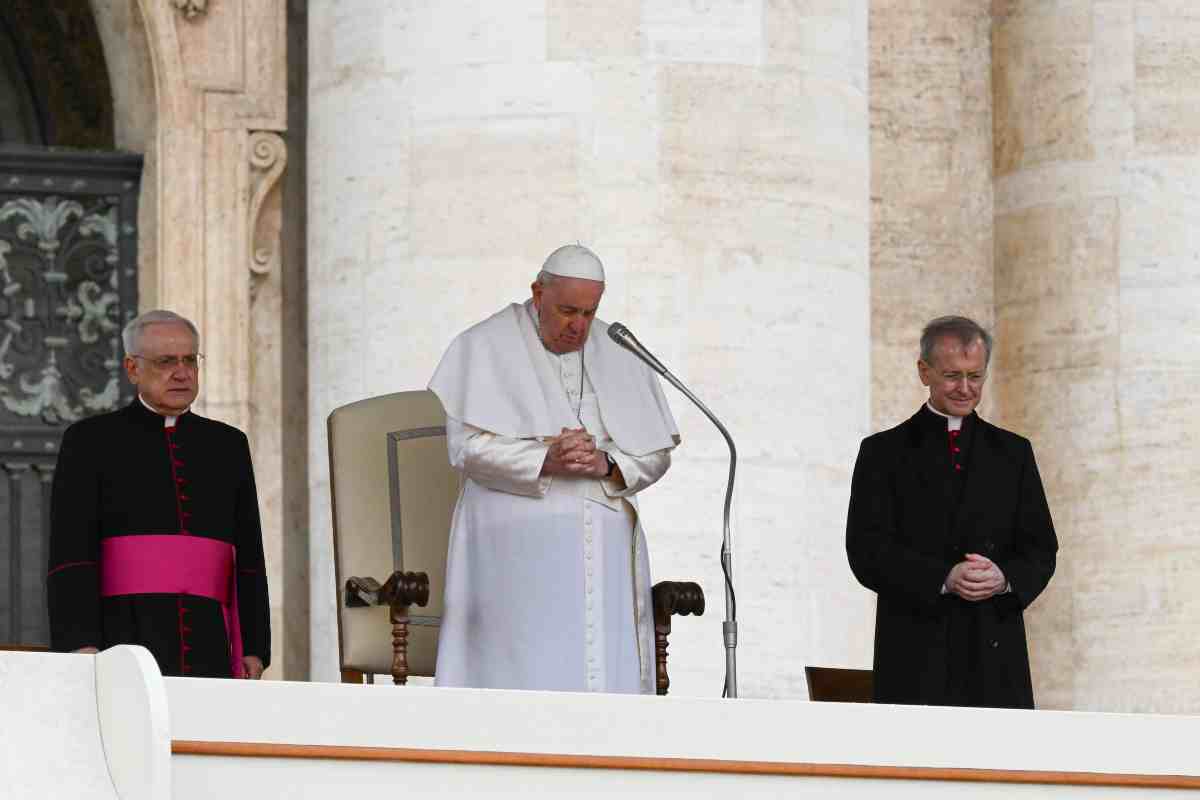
[573, 453]
[975, 578]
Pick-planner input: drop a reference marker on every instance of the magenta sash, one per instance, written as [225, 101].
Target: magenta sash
[175, 564]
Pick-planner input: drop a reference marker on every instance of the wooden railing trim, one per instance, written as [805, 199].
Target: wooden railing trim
[565, 760]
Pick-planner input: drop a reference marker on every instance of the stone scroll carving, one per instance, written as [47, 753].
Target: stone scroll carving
[190, 8]
[268, 158]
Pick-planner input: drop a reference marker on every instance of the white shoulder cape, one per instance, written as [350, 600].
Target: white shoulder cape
[495, 376]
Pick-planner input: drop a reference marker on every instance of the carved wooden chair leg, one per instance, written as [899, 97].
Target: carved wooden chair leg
[400, 591]
[399, 616]
[662, 629]
[671, 597]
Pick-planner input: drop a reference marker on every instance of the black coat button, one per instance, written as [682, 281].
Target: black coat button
[995, 643]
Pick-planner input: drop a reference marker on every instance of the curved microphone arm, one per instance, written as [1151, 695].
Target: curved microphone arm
[624, 337]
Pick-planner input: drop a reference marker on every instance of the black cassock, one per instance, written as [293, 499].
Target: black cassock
[916, 507]
[123, 474]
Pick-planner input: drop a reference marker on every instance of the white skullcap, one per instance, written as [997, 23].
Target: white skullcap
[574, 261]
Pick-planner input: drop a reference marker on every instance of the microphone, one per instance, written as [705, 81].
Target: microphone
[624, 337]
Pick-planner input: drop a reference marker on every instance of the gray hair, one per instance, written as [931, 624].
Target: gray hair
[131, 336]
[963, 329]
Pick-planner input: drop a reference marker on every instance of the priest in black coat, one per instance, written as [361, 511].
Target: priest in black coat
[141, 497]
[948, 524]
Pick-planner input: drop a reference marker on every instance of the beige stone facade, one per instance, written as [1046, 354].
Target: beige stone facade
[715, 156]
[783, 194]
[1097, 160]
[1087, 204]
[931, 185]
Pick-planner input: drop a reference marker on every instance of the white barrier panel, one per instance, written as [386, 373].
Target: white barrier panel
[97, 727]
[240, 739]
[83, 726]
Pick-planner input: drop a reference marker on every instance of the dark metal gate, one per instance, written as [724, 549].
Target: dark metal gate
[68, 284]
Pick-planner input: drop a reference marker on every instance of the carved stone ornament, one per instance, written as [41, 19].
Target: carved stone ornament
[268, 158]
[191, 8]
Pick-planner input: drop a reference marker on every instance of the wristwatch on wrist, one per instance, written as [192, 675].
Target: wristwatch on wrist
[612, 465]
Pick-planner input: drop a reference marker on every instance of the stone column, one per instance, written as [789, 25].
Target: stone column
[931, 185]
[1097, 158]
[715, 156]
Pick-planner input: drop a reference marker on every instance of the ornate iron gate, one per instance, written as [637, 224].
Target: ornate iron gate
[68, 283]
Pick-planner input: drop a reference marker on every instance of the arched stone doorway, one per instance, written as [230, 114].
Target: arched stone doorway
[200, 90]
[54, 86]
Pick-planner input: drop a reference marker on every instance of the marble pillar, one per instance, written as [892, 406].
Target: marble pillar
[716, 157]
[931, 185]
[1097, 198]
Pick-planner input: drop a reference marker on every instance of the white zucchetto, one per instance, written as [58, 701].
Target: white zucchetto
[574, 261]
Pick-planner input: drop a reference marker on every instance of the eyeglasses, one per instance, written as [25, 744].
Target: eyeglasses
[972, 378]
[166, 363]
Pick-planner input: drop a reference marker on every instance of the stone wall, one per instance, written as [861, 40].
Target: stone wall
[715, 156]
[1097, 200]
[720, 157]
[1079, 250]
[931, 185]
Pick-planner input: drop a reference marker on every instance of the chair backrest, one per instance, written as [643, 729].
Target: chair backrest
[393, 493]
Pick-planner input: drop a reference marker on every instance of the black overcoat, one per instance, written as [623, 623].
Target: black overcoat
[909, 522]
[123, 474]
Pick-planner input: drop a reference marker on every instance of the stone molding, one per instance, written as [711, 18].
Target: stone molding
[268, 159]
[191, 8]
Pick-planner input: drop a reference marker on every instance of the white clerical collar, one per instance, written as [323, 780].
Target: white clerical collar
[169, 421]
[952, 423]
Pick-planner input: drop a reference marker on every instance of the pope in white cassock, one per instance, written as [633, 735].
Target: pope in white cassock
[554, 429]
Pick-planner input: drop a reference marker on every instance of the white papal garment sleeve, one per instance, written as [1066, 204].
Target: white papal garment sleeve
[497, 462]
[639, 472]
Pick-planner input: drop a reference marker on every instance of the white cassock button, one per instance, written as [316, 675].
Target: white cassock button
[589, 590]
[589, 572]
[589, 556]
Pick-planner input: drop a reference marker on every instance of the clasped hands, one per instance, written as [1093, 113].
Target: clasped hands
[573, 452]
[975, 578]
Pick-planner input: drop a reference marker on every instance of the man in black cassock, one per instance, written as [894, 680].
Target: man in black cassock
[154, 473]
[948, 523]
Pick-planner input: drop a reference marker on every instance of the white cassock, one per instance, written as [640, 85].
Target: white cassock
[547, 578]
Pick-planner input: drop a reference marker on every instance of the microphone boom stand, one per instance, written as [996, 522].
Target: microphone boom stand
[729, 627]
[624, 337]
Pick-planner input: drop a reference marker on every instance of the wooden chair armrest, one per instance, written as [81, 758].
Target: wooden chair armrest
[398, 592]
[670, 598]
